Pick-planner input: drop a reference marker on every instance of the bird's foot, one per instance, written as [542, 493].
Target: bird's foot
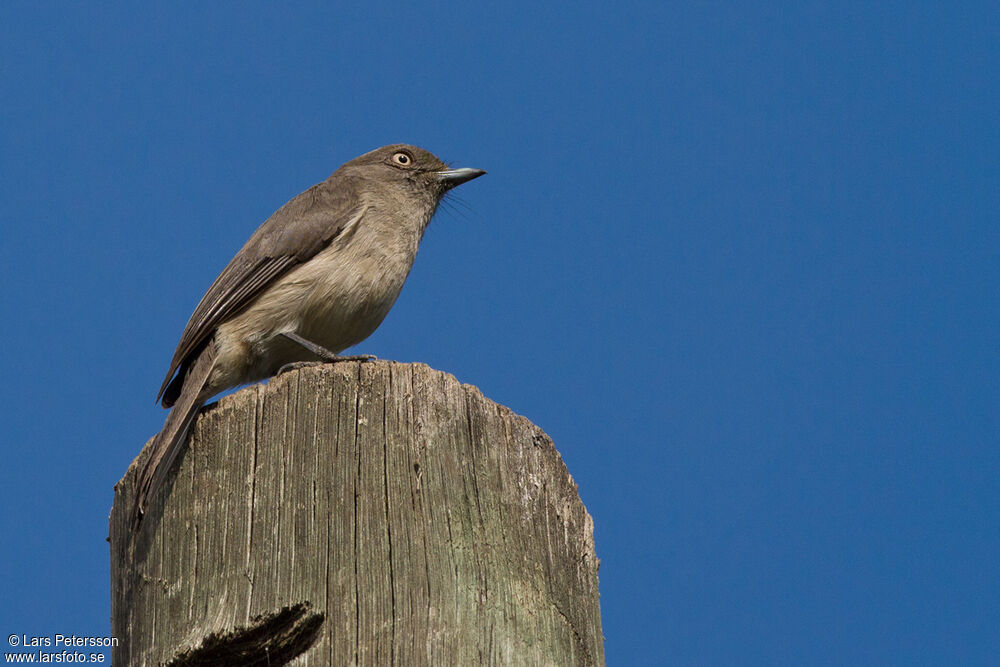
[326, 355]
[354, 357]
[295, 365]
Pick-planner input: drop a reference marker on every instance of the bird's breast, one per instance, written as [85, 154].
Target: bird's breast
[336, 299]
[352, 284]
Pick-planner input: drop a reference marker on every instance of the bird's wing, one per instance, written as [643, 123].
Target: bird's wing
[294, 234]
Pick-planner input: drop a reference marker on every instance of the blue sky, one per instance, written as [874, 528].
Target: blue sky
[739, 260]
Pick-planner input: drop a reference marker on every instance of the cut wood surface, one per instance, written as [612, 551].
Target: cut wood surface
[358, 513]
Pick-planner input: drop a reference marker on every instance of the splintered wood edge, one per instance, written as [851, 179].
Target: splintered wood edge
[270, 639]
[259, 391]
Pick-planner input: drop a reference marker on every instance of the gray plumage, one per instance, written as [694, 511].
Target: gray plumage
[317, 277]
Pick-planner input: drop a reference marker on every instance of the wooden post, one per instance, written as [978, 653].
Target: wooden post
[371, 514]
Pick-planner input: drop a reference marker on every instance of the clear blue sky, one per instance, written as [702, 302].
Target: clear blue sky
[741, 261]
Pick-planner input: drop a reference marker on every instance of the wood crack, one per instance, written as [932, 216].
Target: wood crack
[357, 525]
[462, 508]
[270, 639]
[388, 524]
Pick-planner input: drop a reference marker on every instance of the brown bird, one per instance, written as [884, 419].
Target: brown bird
[317, 277]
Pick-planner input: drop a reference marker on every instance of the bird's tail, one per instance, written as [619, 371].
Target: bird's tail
[169, 441]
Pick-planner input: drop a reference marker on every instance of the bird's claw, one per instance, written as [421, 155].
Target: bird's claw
[295, 365]
[356, 357]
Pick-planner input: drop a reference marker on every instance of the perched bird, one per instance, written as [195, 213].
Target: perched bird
[317, 277]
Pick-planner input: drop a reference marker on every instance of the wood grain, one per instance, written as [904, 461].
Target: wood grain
[418, 522]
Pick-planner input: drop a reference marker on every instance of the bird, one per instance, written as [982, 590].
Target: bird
[316, 278]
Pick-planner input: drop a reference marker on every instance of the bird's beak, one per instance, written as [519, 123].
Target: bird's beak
[453, 177]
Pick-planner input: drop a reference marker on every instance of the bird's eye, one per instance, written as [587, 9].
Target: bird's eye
[402, 159]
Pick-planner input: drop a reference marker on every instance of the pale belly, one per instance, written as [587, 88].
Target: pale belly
[335, 300]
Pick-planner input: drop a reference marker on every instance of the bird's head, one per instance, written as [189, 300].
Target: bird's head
[410, 167]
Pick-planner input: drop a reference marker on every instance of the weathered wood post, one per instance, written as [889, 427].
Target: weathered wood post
[369, 514]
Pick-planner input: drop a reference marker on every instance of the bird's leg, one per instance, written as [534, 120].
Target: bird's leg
[319, 351]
